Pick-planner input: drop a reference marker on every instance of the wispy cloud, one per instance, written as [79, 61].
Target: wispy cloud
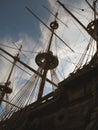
[71, 34]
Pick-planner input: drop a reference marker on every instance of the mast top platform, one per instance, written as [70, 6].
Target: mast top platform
[46, 60]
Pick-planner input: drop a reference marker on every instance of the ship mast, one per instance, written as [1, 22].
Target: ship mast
[14, 63]
[47, 60]
[5, 89]
[93, 25]
[92, 28]
[92, 7]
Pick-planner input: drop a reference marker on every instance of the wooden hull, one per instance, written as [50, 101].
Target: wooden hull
[73, 106]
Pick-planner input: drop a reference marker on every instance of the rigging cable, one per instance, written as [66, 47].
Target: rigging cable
[49, 28]
[54, 78]
[16, 65]
[17, 49]
[90, 47]
[30, 96]
[54, 15]
[80, 63]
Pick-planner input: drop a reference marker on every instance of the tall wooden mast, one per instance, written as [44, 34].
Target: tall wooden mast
[47, 60]
[92, 27]
[5, 89]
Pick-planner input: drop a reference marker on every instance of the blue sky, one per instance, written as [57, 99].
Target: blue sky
[15, 19]
[19, 25]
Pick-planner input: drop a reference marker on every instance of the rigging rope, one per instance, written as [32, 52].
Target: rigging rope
[16, 65]
[54, 78]
[80, 63]
[24, 94]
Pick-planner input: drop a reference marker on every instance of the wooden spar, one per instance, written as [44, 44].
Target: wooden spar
[49, 28]
[54, 25]
[64, 7]
[54, 15]
[27, 66]
[91, 7]
[7, 83]
[11, 104]
[13, 65]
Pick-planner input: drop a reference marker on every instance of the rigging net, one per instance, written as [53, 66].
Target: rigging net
[28, 93]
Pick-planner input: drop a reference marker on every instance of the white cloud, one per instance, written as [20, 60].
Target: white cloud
[74, 35]
[68, 34]
[67, 59]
